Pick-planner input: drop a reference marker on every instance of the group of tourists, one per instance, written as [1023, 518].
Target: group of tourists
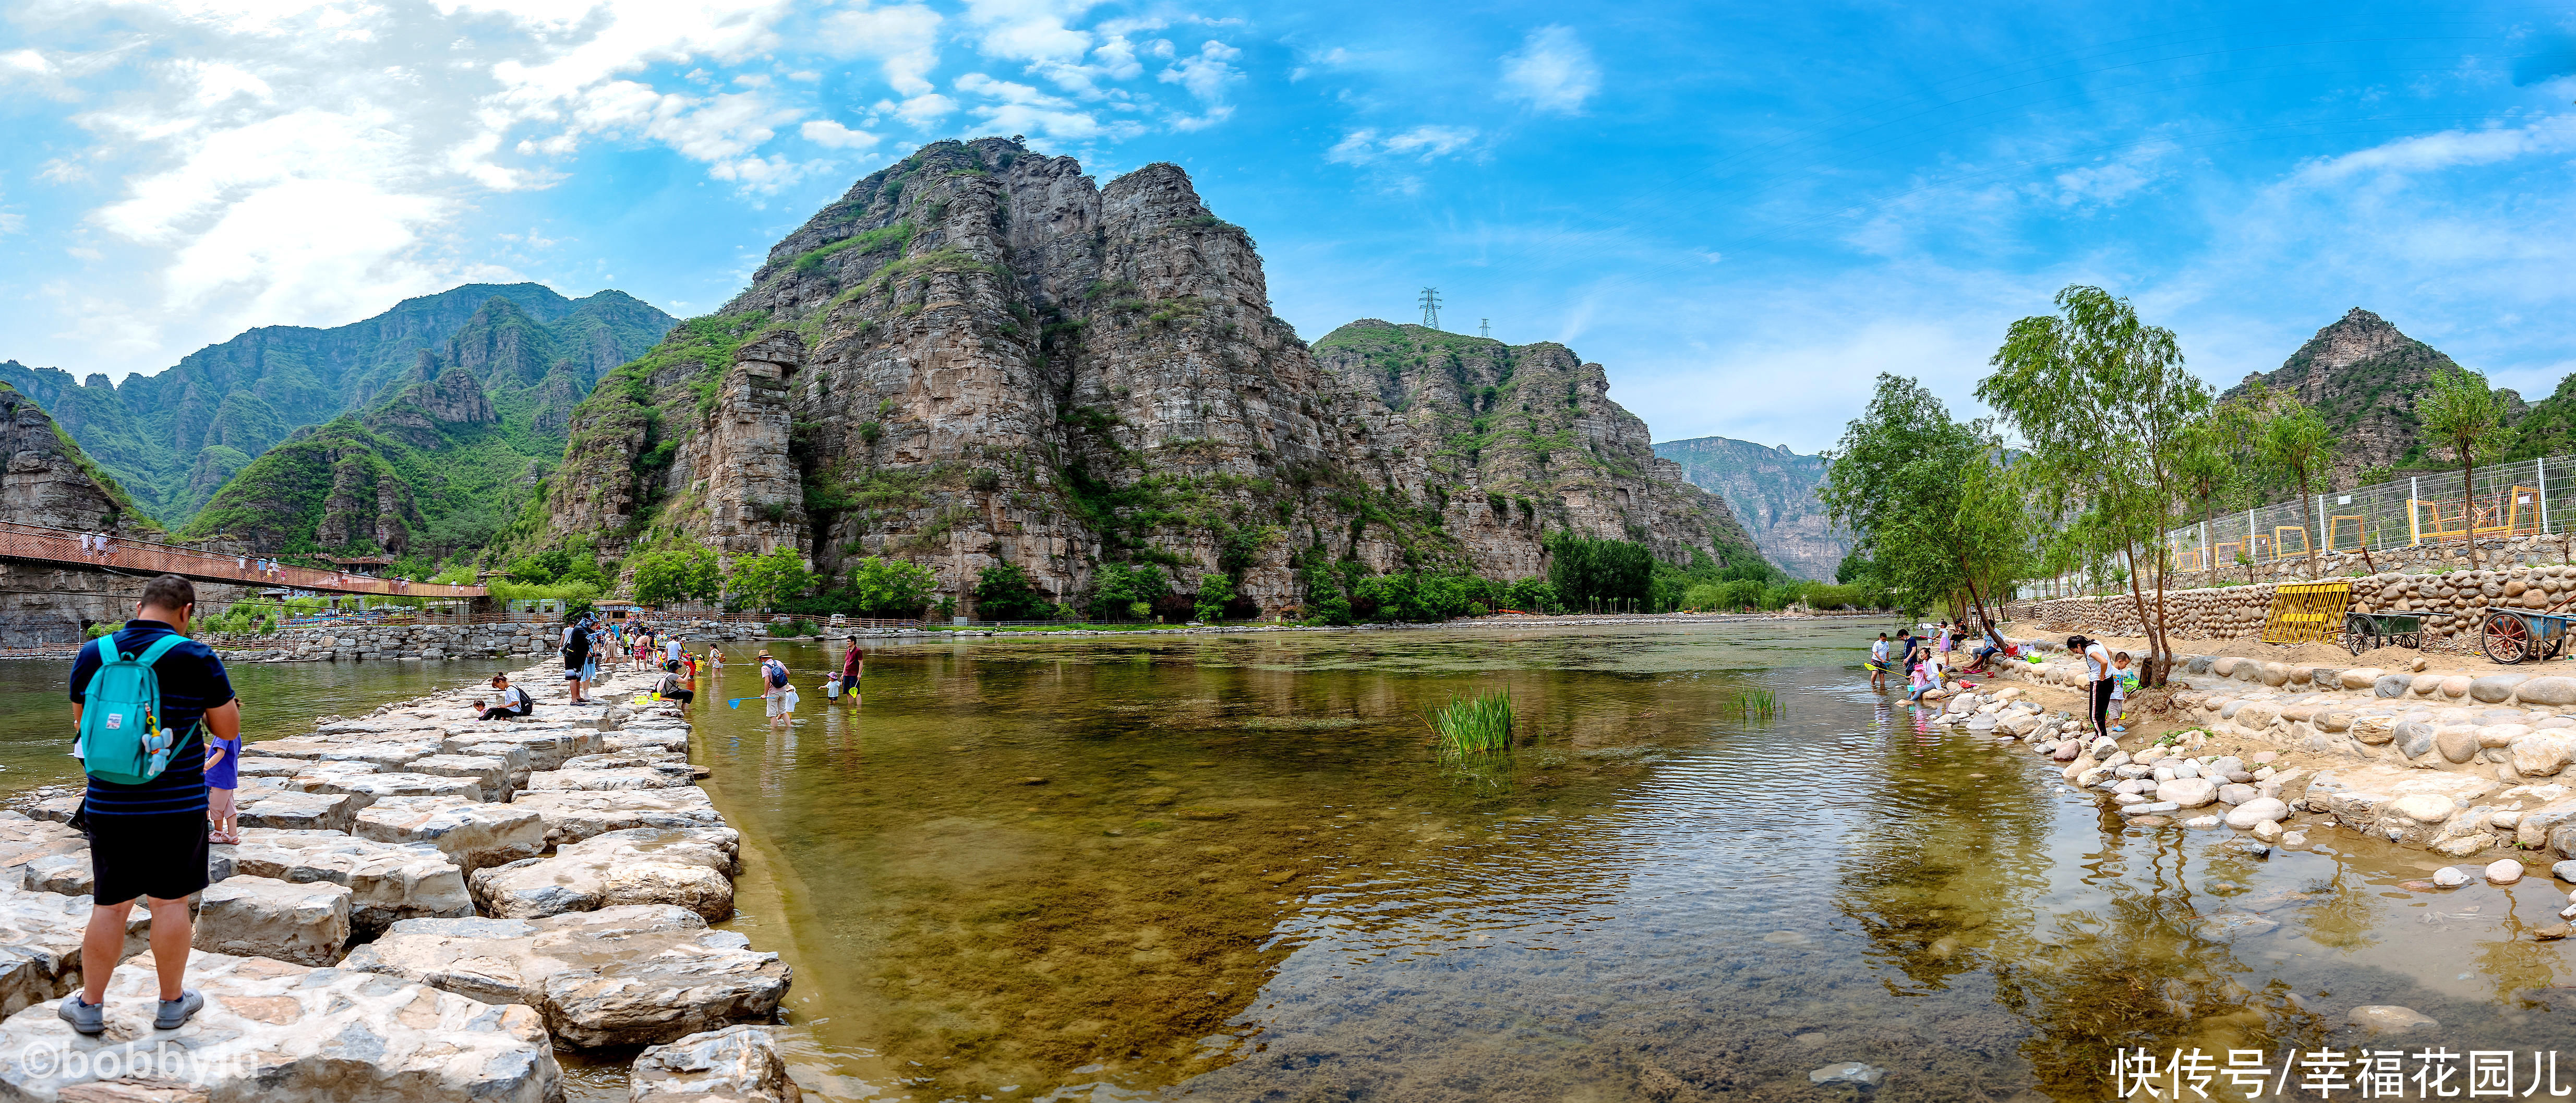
[779, 694]
[98, 545]
[1928, 660]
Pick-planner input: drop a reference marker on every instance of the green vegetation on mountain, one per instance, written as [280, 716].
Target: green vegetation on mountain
[174, 438]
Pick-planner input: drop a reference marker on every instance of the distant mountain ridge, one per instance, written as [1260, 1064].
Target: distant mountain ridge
[172, 439]
[1773, 493]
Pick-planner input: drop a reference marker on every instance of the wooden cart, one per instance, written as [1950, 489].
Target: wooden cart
[2363, 631]
[2513, 636]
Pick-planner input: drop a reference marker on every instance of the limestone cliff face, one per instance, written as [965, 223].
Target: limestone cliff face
[1773, 492]
[49, 482]
[978, 356]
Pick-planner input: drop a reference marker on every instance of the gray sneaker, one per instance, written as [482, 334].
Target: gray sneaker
[85, 1017]
[176, 1013]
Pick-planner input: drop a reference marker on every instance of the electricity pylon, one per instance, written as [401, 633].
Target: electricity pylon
[1431, 308]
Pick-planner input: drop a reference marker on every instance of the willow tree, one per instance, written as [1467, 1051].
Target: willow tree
[2463, 413]
[1928, 499]
[2107, 410]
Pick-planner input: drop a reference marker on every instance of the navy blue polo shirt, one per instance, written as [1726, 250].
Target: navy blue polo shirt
[192, 681]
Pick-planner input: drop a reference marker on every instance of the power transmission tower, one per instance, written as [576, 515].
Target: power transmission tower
[1431, 308]
[1485, 328]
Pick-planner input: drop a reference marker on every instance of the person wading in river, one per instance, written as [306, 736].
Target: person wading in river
[148, 839]
[2099, 675]
[854, 663]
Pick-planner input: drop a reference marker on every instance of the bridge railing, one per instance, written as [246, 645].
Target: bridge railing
[138, 557]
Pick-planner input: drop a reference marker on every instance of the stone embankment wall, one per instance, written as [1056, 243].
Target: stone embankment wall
[2453, 604]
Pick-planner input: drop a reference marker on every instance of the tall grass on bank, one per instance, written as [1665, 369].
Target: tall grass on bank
[1473, 725]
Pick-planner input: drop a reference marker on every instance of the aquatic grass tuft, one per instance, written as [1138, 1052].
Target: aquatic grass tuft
[1474, 725]
[1752, 705]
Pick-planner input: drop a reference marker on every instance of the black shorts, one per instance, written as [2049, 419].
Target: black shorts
[162, 856]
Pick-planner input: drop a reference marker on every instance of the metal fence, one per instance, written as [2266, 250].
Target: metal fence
[2521, 498]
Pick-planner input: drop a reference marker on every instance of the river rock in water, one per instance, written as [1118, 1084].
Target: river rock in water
[389, 882]
[1848, 1072]
[570, 817]
[738, 1064]
[690, 867]
[2384, 1018]
[2504, 871]
[2450, 877]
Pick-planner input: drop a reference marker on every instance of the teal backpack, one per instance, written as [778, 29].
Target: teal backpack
[121, 737]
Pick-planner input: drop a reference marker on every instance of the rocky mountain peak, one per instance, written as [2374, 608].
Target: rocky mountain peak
[2363, 375]
[998, 360]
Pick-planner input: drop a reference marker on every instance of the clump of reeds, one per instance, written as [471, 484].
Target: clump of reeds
[1751, 705]
[1473, 725]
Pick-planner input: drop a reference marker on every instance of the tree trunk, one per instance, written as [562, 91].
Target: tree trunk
[2316, 570]
[2147, 626]
[2469, 502]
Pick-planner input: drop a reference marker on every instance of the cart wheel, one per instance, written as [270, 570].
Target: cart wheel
[2505, 638]
[2414, 640]
[2356, 641]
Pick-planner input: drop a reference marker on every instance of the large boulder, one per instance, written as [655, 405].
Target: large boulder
[2552, 690]
[570, 817]
[691, 867]
[2496, 689]
[622, 975]
[473, 834]
[2187, 792]
[389, 882]
[307, 924]
[274, 1032]
[2257, 811]
[738, 1064]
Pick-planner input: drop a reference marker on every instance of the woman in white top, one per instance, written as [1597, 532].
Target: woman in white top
[2097, 669]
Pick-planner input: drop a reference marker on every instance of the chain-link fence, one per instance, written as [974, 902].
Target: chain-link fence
[2522, 498]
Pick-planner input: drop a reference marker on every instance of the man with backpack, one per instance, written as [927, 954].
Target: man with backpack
[576, 656]
[773, 686]
[147, 701]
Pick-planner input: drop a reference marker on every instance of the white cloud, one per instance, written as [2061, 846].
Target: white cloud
[1207, 72]
[2447, 149]
[1023, 109]
[1030, 30]
[922, 111]
[1552, 71]
[904, 38]
[1424, 143]
[832, 135]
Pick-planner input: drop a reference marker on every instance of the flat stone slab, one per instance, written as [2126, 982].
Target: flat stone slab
[27, 844]
[40, 945]
[621, 777]
[738, 1064]
[546, 748]
[252, 765]
[390, 882]
[473, 834]
[489, 771]
[282, 1033]
[307, 924]
[622, 975]
[389, 755]
[376, 787]
[690, 867]
[571, 817]
[295, 810]
[306, 748]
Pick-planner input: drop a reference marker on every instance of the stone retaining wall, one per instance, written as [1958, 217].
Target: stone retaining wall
[2454, 604]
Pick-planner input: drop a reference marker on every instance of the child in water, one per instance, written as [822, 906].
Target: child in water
[1919, 681]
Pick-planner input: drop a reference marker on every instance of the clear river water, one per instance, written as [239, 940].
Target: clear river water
[1233, 868]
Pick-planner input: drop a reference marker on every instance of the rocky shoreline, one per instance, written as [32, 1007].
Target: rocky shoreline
[2466, 767]
[424, 906]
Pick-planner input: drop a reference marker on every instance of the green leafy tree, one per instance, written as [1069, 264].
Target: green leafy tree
[1927, 499]
[1120, 587]
[2108, 411]
[891, 588]
[1599, 574]
[1004, 591]
[688, 573]
[768, 581]
[2297, 450]
[2213, 463]
[1216, 591]
[2464, 413]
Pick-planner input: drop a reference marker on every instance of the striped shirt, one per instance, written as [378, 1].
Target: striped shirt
[192, 681]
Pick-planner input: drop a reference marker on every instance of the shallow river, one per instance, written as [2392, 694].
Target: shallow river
[1231, 868]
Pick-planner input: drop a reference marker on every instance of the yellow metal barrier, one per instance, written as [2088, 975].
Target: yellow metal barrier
[2307, 612]
[2281, 545]
[2334, 531]
[2521, 515]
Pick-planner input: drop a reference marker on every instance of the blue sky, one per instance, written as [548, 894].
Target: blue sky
[1745, 211]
